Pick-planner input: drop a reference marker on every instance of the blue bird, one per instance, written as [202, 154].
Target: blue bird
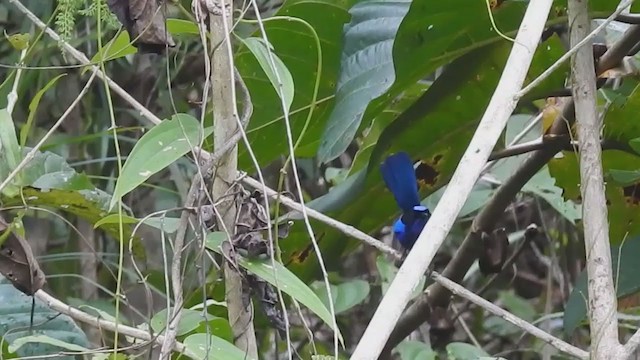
[400, 177]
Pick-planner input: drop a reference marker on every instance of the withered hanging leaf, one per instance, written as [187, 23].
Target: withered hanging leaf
[494, 252]
[145, 23]
[17, 262]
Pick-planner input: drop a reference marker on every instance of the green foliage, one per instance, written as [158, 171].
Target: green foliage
[625, 268]
[191, 320]
[278, 275]
[385, 76]
[278, 74]
[414, 350]
[204, 347]
[345, 295]
[69, 9]
[157, 149]
[366, 70]
[52, 332]
[463, 351]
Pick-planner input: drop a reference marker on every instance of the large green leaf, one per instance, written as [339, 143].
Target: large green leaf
[366, 70]
[192, 320]
[279, 276]
[15, 320]
[432, 34]
[204, 347]
[294, 44]
[625, 266]
[436, 129]
[279, 76]
[157, 149]
[345, 295]
[622, 203]
[48, 181]
[10, 155]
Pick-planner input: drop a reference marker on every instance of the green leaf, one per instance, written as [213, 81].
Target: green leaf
[10, 155]
[19, 41]
[517, 305]
[204, 347]
[48, 171]
[43, 339]
[6, 354]
[624, 177]
[180, 26]
[279, 76]
[190, 320]
[625, 266]
[33, 106]
[463, 351]
[388, 272]
[435, 129]
[415, 350]
[297, 49]
[345, 296]
[157, 149]
[278, 276]
[15, 320]
[541, 184]
[635, 144]
[366, 70]
[119, 46]
[90, 205]
[623, 213]
[166, 224]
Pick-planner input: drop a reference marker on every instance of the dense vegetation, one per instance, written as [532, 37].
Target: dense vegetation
[132, 199]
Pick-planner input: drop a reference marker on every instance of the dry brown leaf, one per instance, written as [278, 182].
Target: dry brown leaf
[145, 23]
[18, 264]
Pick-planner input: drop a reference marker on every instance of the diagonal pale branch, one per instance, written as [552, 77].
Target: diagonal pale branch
[501, 106]
[602, 303]
[522, 324]
[101, 323]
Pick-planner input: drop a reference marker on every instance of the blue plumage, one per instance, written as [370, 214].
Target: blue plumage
[399, 176]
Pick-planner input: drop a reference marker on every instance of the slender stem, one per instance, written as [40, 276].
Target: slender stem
[12, 98]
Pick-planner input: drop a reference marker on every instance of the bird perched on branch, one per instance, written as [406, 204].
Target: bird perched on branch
[400, 177]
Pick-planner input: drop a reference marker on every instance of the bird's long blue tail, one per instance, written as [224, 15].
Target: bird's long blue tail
[400, 178]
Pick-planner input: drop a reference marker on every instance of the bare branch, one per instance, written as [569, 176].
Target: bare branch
[602, 303]
[496, 310]
[101, 323]
[225, 125]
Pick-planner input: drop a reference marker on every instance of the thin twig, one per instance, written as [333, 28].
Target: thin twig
[568, 145]
[101, 323]
[572, 51]
[522, 324]
[32, 153]
[344, 228]
[12, 97]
